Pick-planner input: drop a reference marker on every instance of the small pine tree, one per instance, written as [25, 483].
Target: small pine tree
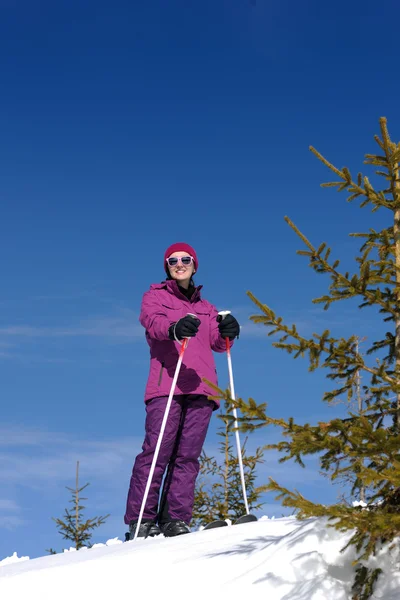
[72, 527]
[218, 493]
[365, 445]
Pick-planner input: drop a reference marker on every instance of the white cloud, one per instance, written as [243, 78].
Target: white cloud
[6, 504]
[251, 329]
[123, 327]
[120, 328]
[32, 458]
[10, 522]
[9, 518]
[41, 464]
[13, 436]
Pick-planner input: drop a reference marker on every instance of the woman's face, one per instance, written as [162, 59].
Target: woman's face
[180, 272]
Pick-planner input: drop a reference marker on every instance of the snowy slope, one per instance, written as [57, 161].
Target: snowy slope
[281, 559]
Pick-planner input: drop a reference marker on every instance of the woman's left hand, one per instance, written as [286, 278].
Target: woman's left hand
[229, 327]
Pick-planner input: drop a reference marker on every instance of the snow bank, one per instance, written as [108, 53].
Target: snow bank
[274, 559]
[13, 559]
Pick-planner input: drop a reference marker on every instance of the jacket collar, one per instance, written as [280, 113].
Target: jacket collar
[172, 287]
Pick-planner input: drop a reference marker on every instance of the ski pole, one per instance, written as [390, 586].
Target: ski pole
[223, 314]
[184, 344]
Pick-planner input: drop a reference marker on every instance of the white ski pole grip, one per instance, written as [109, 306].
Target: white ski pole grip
[187, 338]
[221, 316]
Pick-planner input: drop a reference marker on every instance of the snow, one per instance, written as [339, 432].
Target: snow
[12, 559]
[274, 559]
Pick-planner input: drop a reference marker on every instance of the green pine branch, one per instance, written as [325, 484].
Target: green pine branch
[362, 448]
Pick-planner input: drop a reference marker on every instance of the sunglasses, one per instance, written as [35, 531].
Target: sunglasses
[185, 260]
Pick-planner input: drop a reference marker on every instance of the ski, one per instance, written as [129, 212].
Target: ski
[220, 523]
[215, 524]
[245, 519]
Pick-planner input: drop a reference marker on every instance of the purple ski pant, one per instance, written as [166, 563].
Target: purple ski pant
[183, 440]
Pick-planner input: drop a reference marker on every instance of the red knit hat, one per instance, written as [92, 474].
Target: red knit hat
[180, 247]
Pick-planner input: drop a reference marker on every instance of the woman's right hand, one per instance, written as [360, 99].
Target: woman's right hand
[186, 327]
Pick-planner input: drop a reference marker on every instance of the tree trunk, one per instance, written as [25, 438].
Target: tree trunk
[396, 234]
[77, 501]
[360, 407]
[396, 231]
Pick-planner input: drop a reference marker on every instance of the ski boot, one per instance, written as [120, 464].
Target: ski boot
[147, 529]
[172, 528]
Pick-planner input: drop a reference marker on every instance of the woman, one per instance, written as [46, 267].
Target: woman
[165, 316]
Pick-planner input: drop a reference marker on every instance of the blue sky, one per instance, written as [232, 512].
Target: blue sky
[126, 126]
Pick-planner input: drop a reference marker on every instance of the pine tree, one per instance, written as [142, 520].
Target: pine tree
[218, 493]
[72, 527]
[364, 445]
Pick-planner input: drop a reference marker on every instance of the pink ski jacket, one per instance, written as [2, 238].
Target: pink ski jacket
[162, 305]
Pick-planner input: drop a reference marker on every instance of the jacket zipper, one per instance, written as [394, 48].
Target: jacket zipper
[161, 372]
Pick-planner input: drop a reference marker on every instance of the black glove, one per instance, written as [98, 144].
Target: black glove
[185, 327]
[228, 327]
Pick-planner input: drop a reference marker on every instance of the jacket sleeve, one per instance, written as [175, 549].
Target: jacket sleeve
[218, 343]
[153, 316]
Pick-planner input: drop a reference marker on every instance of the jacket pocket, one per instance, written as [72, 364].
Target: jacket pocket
[202, 312]
[161, 374]
[173, 309]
